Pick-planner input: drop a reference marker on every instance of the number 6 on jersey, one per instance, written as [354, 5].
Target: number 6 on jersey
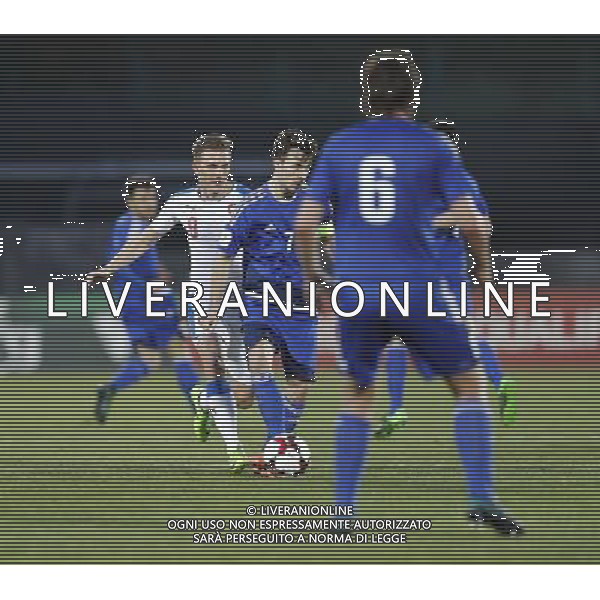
[377, 196]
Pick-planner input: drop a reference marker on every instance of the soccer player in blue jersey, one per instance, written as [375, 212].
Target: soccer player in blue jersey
[204, 210]
[391, 182]
[263, 231]
[151, 339]
[454, 258]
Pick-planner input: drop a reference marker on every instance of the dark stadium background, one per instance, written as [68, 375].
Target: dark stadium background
[78, 114]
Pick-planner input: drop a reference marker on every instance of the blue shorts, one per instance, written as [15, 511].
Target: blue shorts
[453, 286]
[439, 345]
[152, 332]
[295, 337]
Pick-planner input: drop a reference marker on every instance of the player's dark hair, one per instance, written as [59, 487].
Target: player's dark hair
[294, 139]
[211, 141]
[390, 81]
[447, 127]
[139, 181]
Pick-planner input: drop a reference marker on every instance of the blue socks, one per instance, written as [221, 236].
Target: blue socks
[187, 378]
[186, 374]
[278, 413]
[489, 359]
[397, 365]
[291, 415]
[270, 403]
[473, 432]
[352, 438]
[473, 437]
[133, 371]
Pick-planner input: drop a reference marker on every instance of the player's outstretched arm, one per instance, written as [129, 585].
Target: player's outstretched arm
[132, 250]
[476, 228]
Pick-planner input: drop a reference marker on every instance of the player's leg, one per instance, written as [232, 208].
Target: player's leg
[505, 386]
[488, 359]
[211, 402]
[296, 340]
[184, 368]
[233, 360]
[205, 360]
[352, 437]
[299, 381]
[212, 405]
[296, 392]
[264, 385]
[490, 363]
[473, 434]
[444, 348]
[396, 363]
[474, 437]
[281, 405]
[362, 341]
[144, 358]
[167, 337]
[261, 337]
[266, 389]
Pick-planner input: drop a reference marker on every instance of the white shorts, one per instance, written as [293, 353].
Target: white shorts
[233, 356]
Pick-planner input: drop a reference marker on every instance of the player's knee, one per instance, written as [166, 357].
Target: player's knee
[471, 385]
[360, 398]
[244, 395]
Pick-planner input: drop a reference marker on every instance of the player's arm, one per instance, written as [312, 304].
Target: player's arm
[464, 212]
[476, 228]
[163, 273]
[313, 212]
[131, 251]
[308, 240]
[136, 245]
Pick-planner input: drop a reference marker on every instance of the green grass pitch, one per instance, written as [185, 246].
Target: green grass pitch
[75, 492]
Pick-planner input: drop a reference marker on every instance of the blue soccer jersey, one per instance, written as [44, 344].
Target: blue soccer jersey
[149, 331]
[143, 269]
[263, 231]
[263, 228]
[386, 179]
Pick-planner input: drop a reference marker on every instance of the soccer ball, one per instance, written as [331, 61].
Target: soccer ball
[286, 455]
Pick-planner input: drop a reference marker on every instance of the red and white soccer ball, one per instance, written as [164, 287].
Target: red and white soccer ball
[286, 455]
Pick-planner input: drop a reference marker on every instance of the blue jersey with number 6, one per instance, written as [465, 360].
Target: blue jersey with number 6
[385, 180]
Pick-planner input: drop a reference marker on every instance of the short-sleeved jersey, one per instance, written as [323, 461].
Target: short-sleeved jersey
[263, 230]
[385, 180]
[205, 222]
[143, 269]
